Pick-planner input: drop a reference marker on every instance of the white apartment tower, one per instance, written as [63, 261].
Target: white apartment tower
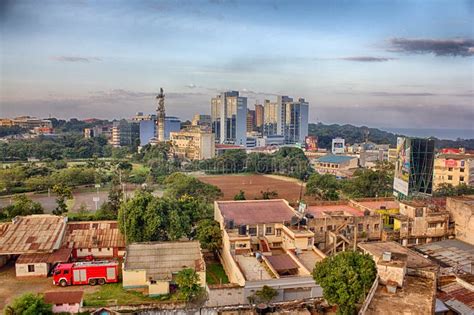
[229, 118]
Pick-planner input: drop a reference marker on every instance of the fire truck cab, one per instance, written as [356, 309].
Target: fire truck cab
[90, 272]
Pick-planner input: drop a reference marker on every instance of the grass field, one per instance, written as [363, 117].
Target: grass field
[215, 274]
[252, 185]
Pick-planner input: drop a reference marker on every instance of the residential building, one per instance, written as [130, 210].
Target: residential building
[383, 206]
[151, 267]
[461, 210]
[229, 118]
[147, 131]
[97, 131]
[251, 117]
[339, 165]
[69, 302]
[414, 168]
[338, 146]
[97, 239]
[405, 283]
[125, 133]
[194, 143]
[140, 116]
[41, 263]
[265, 243]
[339, 225]
[454, 169]
[259, 115]
[26, 122]
[201, 120]
[420, 222]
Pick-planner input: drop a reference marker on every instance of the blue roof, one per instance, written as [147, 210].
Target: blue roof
[337, 159]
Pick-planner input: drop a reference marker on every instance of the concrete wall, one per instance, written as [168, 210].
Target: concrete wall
[40, 269]
[96, 252]
[225, 295]
[158, 288]
[67, 308]
[463, 215]
[134, 278]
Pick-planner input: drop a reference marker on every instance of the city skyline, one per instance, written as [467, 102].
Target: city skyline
[376, 64]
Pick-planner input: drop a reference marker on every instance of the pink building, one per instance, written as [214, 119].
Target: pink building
[64, 301]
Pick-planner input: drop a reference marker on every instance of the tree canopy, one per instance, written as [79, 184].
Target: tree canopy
[188, 284]
[448, 190]
[324, 187]
[209, 234]
[22, 206]
[178, 185]
[345, 278]
[29, 304]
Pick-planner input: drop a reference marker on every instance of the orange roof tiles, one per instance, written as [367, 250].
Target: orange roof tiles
[34, 233]
[93, 234]
[256, 211]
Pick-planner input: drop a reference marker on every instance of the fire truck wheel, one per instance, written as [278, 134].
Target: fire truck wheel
[101, 281]
[92, 281]
[63, 283]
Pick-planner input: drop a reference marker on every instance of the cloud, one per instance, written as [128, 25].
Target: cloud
[191, 86]
[463, 47]
[76, 59]
[367, 59]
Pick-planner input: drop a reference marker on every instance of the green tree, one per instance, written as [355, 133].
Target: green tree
[266, 294]
[29, 304]
[209, 235]
[22, 206]
[188, 283]
[268, 194]
[324, 187]
[178, 185]
[134, 219]
[345, 278]
[62, 192]
[448, 190]
[240, 195]
[367, 183]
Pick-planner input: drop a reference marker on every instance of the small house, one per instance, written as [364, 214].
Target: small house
[65, 301]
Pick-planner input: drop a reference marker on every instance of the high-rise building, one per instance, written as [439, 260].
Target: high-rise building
[455, 168]
[250, 120]
[229, 118]
[194, 143]
[201, 120]
[147, 131]
[259, 117]
[125, 133]
[287, 118]
[414, 167]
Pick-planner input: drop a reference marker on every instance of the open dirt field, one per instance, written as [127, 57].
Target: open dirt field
[252, 185]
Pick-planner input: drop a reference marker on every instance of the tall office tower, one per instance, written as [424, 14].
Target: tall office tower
[229, 118]
[250, 120]
[274, 116]
[160, 116]
[259, 117]
[296, 121]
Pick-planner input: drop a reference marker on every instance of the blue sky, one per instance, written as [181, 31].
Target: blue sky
[376, 63]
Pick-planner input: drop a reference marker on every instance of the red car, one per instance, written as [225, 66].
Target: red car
[89, 272]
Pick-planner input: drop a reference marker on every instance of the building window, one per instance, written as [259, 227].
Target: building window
[461, 170]
[252, 231]
[268, 230]
[329, 228]
[367, 228]
[321, 229]
[360, 227]
[31, 268]
[418, 212]
[432, 225]
[412, 241]
[461, 178]
[450, 177]
[100, 249]
[232, 246]
[278, 232]
[376, 227]
[450, 169]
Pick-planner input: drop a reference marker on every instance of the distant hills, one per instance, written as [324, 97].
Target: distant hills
[353, 134]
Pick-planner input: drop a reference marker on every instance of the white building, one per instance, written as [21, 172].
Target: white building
[338, 146]
[194, 143]
[229, 118]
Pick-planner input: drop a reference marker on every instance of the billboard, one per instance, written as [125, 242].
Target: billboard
[451, 163]
[311, 143]
[402, 166]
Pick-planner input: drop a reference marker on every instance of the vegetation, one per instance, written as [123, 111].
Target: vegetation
[178, 185]
[114, 294]
[188, 283]
[215, 274]
[62, 193]
[367, 183]
[266, 294]
[209, 234]
[345, 278]
[21, 206]
[159, 160]
[448, 190]
[29, 304]
[268, 194]
[240, 195]
[324, 187]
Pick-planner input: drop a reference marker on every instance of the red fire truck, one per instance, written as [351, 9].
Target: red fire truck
[88, 272]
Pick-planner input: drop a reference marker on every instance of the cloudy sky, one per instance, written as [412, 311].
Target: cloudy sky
[376, 63]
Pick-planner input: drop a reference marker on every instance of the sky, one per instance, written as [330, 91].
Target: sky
[394, 64]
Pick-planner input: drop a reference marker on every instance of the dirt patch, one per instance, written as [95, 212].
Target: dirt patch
[252, 185]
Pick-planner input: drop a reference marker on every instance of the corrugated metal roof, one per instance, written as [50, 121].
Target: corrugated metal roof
[93, 234]
[256, 211]
[61, 255]
[282, 262]
[451, 253]
[34, 233]
[457, 297]
[160, 260]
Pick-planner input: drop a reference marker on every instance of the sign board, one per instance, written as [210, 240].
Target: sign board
[311, 143]
[451, 163]
[95, 199]
[402, 166]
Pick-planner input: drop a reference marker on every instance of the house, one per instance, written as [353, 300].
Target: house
[151, 267]
[100, 239]
[405, 283]
[337, 225]
[266, 243]
[382, 206]
[39, 264]
[65, 301]
[339, 165]
[36, 239]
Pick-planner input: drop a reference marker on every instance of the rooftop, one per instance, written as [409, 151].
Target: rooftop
[336, 159]
[449, 253]
[93, 234]
[252, 268]
[33, 233]
[249, 212]
[332, 210]
[379, 204]
[282, 262]
[414, 260]
[161, 259]
[60, 256]
[63, 297]
[456, 296]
